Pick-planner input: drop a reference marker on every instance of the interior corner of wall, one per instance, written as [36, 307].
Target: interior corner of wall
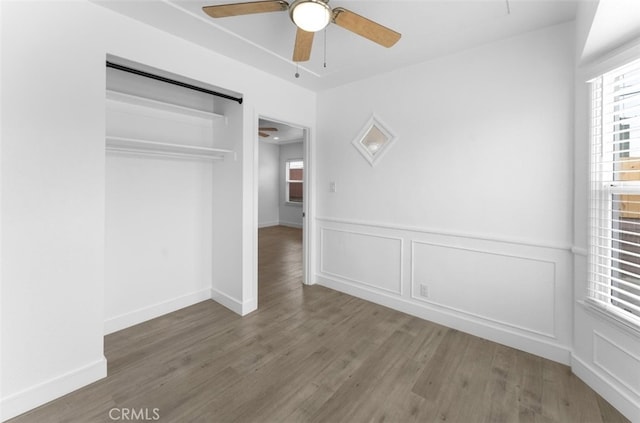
[229, 302]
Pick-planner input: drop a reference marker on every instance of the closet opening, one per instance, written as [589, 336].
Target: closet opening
[172, 182]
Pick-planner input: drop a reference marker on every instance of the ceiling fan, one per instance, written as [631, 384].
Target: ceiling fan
[262, 131]
[310, 16]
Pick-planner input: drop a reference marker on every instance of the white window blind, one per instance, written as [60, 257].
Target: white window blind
[614, 268]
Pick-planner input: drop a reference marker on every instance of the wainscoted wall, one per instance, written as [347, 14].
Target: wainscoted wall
[510, 291]
[366, 259]
[606, 351]
[613, 359]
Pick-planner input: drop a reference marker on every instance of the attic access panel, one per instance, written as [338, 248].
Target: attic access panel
[374, 140]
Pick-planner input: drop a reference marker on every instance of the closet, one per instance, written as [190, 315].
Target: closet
[162, 144]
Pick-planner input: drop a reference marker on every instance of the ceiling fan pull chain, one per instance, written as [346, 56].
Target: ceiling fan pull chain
[325, 47]
[297, 70]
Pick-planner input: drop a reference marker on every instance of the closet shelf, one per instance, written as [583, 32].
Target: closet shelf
[157, 148]
[160, 105]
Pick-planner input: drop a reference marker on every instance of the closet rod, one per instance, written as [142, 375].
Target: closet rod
[172, 81]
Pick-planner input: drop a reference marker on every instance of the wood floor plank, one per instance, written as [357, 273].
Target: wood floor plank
[555, 400]
[436, 376]
[356, 391]
[311, 354]
[501, 387]
[530, 388]
[474, 371]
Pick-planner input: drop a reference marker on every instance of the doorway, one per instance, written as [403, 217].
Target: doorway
[282, 204]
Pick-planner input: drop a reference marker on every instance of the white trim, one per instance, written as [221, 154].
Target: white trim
[308, 206]
[611, 317]
[296, 225]
[249, 306]
[542, 347]
[37, 395]
[529, 243]
[152, 311]
[626, 405]
[268, 224]
[238, 307]
[618, 57]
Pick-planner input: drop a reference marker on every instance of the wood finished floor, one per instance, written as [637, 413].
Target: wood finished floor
[310, 354]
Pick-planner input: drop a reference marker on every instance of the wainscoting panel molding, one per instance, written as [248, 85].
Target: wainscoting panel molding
[361, 258]
[506, 289]
[617, 362]
[517, 293]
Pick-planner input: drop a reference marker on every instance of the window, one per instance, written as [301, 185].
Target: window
[294, 171]
[614, 256]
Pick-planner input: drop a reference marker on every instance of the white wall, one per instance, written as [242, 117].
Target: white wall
[53, 184]
[52, 211]
[605, 352]
[269, 187]
[290, 214]
[158, 241]
[467, 219]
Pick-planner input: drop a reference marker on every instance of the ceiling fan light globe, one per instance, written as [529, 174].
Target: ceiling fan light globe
[310, 15]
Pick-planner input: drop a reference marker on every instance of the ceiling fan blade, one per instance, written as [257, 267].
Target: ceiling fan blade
[263, 134]
[365, 27]
[237, 9]
[302, 49]
[267, 129]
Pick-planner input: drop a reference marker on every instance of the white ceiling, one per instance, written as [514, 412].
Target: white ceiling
[430, 29]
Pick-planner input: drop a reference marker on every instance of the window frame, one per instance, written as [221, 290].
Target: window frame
[607, 185]
[288, 181]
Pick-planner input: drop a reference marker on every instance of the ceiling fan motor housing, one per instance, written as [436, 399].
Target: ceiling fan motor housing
[310, 15]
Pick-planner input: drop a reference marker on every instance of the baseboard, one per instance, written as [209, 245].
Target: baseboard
[629, 407]
[268, 224]
[143, 314]
[249, 306]
[291, 224]
[241, 308]
[35, 396]
[487, 330]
